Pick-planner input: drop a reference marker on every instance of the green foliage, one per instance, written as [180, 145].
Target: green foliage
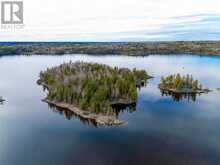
[91, 86]
[180, 83]
[140, 74]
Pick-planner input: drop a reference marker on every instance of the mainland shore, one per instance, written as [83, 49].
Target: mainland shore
[112, 48]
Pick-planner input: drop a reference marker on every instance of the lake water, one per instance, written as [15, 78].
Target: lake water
[160, 132]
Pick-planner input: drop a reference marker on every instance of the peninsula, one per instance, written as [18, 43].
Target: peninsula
[90, 89]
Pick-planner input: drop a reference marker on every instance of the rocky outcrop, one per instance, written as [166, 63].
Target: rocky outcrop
[99, 118]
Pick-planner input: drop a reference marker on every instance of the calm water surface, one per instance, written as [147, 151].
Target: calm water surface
[160, 132]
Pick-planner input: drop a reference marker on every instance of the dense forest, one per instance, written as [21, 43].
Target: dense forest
[91, 86]
[114, 48]
[180, 83]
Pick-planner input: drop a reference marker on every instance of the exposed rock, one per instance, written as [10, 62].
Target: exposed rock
[100, 118]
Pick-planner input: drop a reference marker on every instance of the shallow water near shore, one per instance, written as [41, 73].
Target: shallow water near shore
[160, 130]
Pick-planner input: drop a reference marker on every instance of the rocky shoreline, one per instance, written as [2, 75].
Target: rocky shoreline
[99, 118]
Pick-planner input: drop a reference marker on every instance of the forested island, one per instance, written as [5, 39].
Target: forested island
[111, 48]
[91, 90]
[181, 84]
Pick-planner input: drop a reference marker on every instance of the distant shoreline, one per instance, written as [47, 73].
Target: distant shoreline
[202, 48]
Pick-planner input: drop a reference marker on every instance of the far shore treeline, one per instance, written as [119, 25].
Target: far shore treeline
[111, 48]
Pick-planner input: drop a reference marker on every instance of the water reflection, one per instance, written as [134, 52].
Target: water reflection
[180, 96]
[160, 131]
[123, 108]
[70, 115]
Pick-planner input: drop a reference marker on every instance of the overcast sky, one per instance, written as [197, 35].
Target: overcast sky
[117, 20]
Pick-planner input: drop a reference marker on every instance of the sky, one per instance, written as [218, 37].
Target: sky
[117, 20]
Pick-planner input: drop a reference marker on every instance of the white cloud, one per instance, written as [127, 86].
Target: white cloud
[97, 19]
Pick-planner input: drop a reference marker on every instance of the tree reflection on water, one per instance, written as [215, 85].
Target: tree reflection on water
[180, 96]
[70, 115]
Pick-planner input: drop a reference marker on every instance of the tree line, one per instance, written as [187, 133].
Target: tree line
[179, 82]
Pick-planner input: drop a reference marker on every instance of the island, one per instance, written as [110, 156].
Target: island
[112, 48]
[181, 85]
[90, 90]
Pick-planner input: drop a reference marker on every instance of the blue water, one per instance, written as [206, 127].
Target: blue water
[161, 131]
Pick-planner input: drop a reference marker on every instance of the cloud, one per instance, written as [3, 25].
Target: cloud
[117, 20]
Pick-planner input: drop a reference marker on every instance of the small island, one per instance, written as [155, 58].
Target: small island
[181, 85]
[90, 90]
